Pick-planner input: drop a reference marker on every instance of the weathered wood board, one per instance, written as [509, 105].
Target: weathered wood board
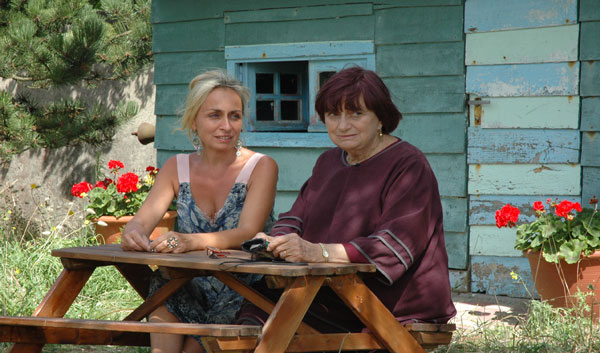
[421, 59]
[590, 46]
[561, 112]
[507, 146]
[343, 28]
[492, 15]
[590, 149]
[482, 208]
[457, 248]
[420, 24]
[549, 79]
[591, 183]
[298, 13]
[186, 35]
[434, 133]
[519, 179]
[181, 68]
[590, 114]
[492, 275]
[590, 76]
[492, 241]
[534, 45]
[434, 94]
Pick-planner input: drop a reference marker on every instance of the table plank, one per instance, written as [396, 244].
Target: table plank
[237, 261]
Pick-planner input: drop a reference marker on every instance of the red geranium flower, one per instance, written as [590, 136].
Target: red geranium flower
[112, 164]
[150, 168]
[564, 208]
[80, 188]
[538, 206]
[507, 216]
[127, 182]
[100, 184]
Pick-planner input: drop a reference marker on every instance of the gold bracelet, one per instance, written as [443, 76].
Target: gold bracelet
[325, 253]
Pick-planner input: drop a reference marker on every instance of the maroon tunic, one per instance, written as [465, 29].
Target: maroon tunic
[386, 211]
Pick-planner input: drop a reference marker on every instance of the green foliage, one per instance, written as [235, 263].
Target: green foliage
[64, 41]
[49, 43]
[561, 237]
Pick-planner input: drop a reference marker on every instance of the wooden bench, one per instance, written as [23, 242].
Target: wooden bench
[217, 338]
[428, 335]
[42, 330]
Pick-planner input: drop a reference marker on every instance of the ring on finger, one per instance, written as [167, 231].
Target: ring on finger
[172, 242]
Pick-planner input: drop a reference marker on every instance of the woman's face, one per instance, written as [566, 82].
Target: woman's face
[219, 120]
[354, 132]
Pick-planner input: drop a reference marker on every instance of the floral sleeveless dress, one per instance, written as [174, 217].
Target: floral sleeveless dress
[206, 299]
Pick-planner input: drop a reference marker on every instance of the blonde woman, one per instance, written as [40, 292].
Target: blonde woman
[225, 195]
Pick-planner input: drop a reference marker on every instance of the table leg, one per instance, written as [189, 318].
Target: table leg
[371, 311]
[288, 314]
[138, 276]
[57, 301]
[262, 302]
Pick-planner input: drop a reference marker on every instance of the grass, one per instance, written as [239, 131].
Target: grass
[542, 329]
[27, 271]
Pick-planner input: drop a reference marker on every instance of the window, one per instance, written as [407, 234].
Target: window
[285, 78]
[279, 96]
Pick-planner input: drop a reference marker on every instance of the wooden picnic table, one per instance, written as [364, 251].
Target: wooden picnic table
[283, 331]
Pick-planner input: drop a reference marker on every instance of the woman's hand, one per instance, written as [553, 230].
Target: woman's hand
[170, 242]
[292, 248]
[134, 239]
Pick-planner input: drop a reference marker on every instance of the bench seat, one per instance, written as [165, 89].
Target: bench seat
[428, 335]
[216, 338]
[105, 332]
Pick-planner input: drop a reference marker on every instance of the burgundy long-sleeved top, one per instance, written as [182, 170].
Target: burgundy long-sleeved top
[386, 211]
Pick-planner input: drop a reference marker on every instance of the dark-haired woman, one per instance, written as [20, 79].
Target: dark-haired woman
[373, 199]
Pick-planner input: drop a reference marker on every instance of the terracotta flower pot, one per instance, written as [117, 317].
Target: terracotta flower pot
[111, 233]
[557, 283]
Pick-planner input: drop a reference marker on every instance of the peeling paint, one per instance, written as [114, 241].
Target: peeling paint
[591, 135]
[540, 169]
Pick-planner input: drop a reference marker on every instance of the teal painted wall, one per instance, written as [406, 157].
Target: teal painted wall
[525, 143]
[589, 54]
[419, 48]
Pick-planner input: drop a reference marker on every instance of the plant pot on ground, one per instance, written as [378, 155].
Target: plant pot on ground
[562, 246]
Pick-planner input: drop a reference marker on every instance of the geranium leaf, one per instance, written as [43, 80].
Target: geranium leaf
[571, 251]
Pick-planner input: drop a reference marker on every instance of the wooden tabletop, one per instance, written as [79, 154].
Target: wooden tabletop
[235, 261]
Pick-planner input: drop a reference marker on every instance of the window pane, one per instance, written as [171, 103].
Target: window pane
[264, 83]
[265, 110]
[289, 110]
[324, 76]
[289, 84]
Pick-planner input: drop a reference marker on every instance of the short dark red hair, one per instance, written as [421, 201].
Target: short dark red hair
[343, 92]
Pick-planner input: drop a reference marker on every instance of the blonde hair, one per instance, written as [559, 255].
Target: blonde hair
[201, 86]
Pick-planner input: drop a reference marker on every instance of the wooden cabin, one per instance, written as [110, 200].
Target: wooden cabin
[502, 97]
